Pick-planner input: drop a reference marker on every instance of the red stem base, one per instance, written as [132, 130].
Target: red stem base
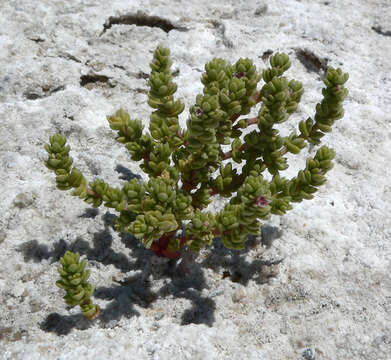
[160, 248]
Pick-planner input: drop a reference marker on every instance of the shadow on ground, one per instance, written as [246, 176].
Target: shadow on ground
[184, 278]
[233, 264]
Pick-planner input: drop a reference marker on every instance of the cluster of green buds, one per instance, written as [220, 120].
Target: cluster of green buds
[168, 212]
[74, 281]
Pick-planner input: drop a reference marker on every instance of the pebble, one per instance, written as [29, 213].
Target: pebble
[309, 354]
[238, 295]
[159, 316]
[23, 200]
[216, 292]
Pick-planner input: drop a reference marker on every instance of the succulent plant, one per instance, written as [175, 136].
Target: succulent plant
[74, 280]
[182, 163]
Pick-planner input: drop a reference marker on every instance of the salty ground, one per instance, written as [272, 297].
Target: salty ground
[316, 285]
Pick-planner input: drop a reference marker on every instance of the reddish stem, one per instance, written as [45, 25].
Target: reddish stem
[250, 121]
[256, 97]
[234, 117]
[228, 154]
[213, 192]
[160, 248]
[216, 231]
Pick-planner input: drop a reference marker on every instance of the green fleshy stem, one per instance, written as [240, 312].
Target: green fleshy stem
[74, 282]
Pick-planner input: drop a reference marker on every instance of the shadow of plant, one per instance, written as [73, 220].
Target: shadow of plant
[126, 174]
[63, 324]
[232, 264]
[185, 277]
[101, 251]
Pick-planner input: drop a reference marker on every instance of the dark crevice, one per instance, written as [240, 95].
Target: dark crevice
[380, 31]
[142, 75]
[119, 67]
[142, 19]
[311, 61]
[43, 92]
[220, 27]
[175, 72]
[261, 10]
[87, 80]
[31, 95]
[266, 54]
[67, 56]
[52, 91]
[37, 40]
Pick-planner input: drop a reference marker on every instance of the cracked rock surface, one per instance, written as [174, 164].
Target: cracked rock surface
[316, 286]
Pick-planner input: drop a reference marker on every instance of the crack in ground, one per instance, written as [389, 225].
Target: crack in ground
[311, 62]
[141, 19]
[220, 27]
[85, 80]
[380, 31]
[45, 91]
